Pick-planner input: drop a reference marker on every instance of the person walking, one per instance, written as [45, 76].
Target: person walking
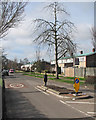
[45, 79]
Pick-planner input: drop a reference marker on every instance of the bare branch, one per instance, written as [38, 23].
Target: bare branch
[56, 33]
[93, 31]
[11, 15]
[62, 55]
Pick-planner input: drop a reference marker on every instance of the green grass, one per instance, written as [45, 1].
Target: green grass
[41, 74]
[34, 75]
[73, 78]
[67, 81]
[0, 82]
[17, 71]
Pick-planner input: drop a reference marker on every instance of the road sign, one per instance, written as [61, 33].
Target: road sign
[76, 85]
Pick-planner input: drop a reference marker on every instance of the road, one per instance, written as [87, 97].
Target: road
[25, 100]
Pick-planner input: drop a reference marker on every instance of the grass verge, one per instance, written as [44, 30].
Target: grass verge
[73, 78]
[60, 80]
[0, 82]
[66, 81]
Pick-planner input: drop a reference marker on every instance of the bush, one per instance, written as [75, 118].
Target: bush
[90, 80]
[53, 72]
[47, 71]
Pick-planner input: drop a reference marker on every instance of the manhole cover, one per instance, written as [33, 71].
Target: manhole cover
[16, 85]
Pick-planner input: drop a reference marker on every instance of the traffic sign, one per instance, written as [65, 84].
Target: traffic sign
[76, 85]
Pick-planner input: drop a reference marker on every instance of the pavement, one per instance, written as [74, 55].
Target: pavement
[0, 102]
[24, 99]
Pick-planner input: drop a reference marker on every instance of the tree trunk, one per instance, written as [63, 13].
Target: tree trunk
[56, 64]
[56, 56]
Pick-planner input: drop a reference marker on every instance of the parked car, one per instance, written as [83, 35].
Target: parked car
[5, 72]
[11, 71]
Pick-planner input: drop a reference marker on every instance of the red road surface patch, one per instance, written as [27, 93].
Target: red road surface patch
[16, 85]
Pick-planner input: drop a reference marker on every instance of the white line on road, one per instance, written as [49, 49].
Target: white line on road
[80, 102]
[42, 91]
[91, 112]
[55, 94]
[75, 108]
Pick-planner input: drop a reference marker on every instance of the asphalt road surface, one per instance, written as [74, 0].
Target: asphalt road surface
[25, 100]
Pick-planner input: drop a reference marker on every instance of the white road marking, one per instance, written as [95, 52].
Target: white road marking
[55, 94]
[80, 102]
[75, 108]
[42, 91]
[91, 112]
[16, 85]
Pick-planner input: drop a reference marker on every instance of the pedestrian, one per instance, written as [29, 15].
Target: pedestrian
[45, 79]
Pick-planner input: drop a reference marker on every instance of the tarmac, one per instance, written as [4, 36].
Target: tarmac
[72, 95]
[26, 98]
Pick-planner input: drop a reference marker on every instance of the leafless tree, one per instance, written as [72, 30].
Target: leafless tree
[93, 31]
[57, 33]
[10, 15]
[38, 54]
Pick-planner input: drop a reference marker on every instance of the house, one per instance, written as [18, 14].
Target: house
[78, 61]
[27, 67]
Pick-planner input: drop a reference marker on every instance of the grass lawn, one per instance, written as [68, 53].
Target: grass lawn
[67, 81]
[0, 82]
[73, 78]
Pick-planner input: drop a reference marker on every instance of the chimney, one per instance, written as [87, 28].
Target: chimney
[93, 50]
[81, 52]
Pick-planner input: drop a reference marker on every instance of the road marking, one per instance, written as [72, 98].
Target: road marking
[16, 85]
[91, 112]
[41, 91]
[52, 93]
[80, 102]
[75, 108]
[55, 94]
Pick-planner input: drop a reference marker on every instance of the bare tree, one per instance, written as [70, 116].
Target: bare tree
[57, 33]
[10, 15]
[15, 63]
[25, 61]
[38, 54]
[93, 31]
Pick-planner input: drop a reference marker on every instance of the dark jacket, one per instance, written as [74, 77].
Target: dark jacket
[45, 78]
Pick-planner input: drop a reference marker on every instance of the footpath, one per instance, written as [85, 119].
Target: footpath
[0, 102]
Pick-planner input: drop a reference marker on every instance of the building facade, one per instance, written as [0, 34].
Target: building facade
[67, 64]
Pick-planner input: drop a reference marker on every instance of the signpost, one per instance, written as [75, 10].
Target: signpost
[76, 84]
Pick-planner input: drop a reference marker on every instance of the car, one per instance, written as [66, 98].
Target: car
[5, 73]
[11, 71]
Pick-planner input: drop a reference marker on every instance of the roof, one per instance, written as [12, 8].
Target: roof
[86, 54]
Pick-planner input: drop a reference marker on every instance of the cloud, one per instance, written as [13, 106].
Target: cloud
[83, 32]
[83, 37]
[19, 41]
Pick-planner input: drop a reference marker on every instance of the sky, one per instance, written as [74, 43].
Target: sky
[19, 41]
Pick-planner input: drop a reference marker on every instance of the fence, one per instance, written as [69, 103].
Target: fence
[79, 72]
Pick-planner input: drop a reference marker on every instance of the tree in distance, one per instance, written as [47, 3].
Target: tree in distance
[93, 31]
[56, 33]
